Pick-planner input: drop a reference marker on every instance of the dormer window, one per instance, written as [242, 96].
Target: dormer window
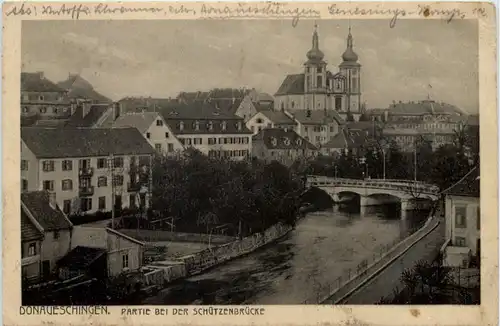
[299, 141]
[238, 125]
[196, 125]
[274, 141]
[286, 141]
[210, 125]
[224, 125]
[25, 109]
[181, 125]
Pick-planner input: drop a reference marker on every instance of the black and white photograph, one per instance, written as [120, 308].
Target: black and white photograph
[250, 162]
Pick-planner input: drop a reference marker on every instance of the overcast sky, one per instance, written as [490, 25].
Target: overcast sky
[161, 58]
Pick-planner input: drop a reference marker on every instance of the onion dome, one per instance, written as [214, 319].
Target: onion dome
[315, 54]
[349, 55]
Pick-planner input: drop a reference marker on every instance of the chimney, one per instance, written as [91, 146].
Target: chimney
[86, 108]
[117, 108]
[52, 200]
[73, 107]
[41, 75]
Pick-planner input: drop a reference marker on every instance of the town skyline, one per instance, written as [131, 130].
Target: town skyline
[141, 62]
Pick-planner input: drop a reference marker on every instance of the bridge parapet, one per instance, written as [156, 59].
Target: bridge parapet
[403, 185]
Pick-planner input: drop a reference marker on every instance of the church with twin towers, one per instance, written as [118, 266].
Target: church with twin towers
[318, 88]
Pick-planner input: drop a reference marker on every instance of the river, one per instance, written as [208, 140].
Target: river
[322, 247]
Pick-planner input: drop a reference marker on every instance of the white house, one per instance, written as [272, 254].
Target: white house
[154, 128]
[463, 221]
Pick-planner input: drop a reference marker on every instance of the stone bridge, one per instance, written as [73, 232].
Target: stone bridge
[411, 194]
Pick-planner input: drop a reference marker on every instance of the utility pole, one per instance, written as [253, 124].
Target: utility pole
[415, 158]
[383, 157]
[111, 167]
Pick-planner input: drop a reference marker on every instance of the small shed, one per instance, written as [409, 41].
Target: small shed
[81, 260]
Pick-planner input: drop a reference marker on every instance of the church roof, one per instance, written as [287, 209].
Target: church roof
[292, 85]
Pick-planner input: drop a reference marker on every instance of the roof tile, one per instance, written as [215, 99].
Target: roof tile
[84, 142]
[50, 218]
[277, 138]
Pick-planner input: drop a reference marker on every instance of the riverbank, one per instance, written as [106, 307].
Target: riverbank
[160, 274]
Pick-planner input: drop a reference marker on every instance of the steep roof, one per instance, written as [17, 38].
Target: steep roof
[277, 138]
[95, 113]
[468, 186]
[264, 97]
[81, 258]
[141, 121]
[348, 139]
[278, 117]
[196, 110]
[84, 142]
[50, 218]
[79, 88]
[28, 229]
[423, 107]
[139, 104]
[292, 84]
[316, 117]
[36, 82]
[261, 106]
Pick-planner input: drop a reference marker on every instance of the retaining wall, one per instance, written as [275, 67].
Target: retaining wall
[160, 235]
[162, 272]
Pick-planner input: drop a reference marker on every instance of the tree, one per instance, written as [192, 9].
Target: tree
[396, 163]
[425, 155]
[203, 193]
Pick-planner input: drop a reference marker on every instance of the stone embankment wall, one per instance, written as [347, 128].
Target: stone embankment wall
[159, 236]
[162, 272]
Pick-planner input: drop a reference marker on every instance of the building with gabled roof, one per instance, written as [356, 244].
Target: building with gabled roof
[45, 234]
[79, 89]
[318, 127]
[463, 221]
[317, 88]
[270, 119]
[153, 128]
[210, 130]
[43, 99]
[284, 146]
[75, 164]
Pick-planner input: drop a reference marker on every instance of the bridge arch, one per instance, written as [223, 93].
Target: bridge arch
[320, 198]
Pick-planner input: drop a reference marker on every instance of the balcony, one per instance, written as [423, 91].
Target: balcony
[134, 186]
[86, 172]
[86, 191]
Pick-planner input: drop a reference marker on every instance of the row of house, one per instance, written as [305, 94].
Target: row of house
[53, 249]
[221, 122]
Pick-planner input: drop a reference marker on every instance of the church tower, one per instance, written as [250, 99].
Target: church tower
[351, 70]
[315, 76]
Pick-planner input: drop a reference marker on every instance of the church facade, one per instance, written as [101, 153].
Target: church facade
[317, 88]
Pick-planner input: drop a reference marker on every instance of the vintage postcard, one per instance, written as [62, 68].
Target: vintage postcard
[250, 163]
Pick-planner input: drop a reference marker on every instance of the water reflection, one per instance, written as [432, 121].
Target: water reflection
[322, 247]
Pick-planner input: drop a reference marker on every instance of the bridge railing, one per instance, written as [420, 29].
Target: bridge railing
[405, 185]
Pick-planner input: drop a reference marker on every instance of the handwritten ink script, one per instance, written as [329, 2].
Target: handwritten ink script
[246, 10]
[77, 11]
[269, 10]
[395, 13]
